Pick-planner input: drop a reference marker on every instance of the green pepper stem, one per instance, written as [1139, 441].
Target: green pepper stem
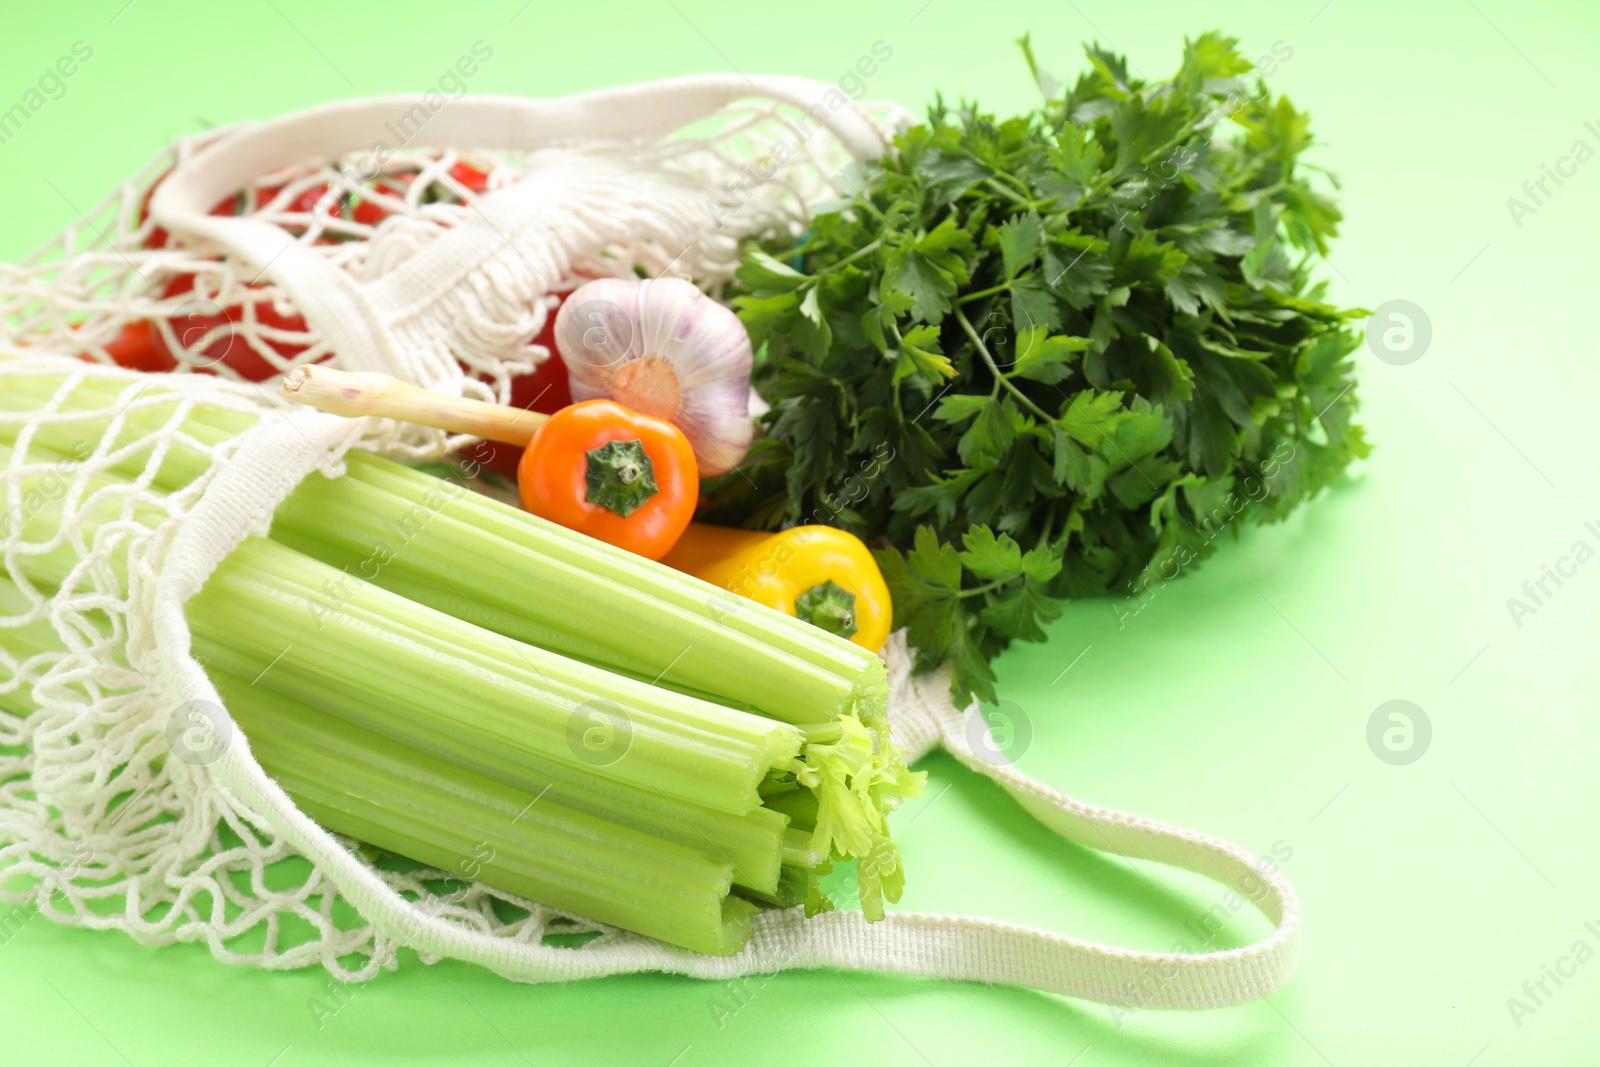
[620, 477]
[828, 606]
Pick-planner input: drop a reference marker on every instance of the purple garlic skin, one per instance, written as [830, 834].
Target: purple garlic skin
[663, 348]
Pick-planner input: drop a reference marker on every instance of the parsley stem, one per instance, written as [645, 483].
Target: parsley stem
[1003, 191]
[990, 587]
[865, 250]
[961, 317]
[1019, 183]
[1049, 525]
[980, 294]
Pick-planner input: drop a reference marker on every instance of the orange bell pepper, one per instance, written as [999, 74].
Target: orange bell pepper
[825, 576]
[627, 479]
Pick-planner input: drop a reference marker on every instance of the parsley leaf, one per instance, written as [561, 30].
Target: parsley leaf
[1021, 242]
[1045, 359]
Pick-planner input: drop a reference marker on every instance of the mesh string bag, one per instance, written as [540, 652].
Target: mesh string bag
[242, 253]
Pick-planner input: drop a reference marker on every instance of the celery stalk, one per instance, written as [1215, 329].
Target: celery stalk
[447, 563]
[754, 844]
[363, 785]
[742, 632]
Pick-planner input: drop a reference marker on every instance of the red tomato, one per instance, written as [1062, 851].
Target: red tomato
[303, 203]
[142, 346]
[369, 213]
[470, 176]
[230, 348]
[139, 347]
[158, 237]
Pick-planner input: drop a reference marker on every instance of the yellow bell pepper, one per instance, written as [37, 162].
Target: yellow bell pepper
[825, 576]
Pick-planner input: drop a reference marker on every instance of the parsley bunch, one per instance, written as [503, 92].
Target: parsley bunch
[1053, 356]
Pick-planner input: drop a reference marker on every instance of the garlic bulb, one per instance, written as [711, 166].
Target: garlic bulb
[663, 348]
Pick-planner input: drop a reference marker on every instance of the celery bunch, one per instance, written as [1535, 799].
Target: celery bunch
[455, 681]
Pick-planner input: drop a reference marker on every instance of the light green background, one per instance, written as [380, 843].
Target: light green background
[1236, 702]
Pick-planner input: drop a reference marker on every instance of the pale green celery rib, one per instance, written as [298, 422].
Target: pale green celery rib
[520, 628]
[450, 557]
[489, 616]
[78, 424]
[798, 850]
[363, 785]
[23, 642]
[647, 620]
[463, 678]
[708, 609]
[30, 638]
[755, 844]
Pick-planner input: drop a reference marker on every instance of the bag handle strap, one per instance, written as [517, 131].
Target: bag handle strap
[359, 320]
[991, 951]
[649, 110]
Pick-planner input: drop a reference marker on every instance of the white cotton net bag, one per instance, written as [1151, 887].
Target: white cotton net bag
[243, 253]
